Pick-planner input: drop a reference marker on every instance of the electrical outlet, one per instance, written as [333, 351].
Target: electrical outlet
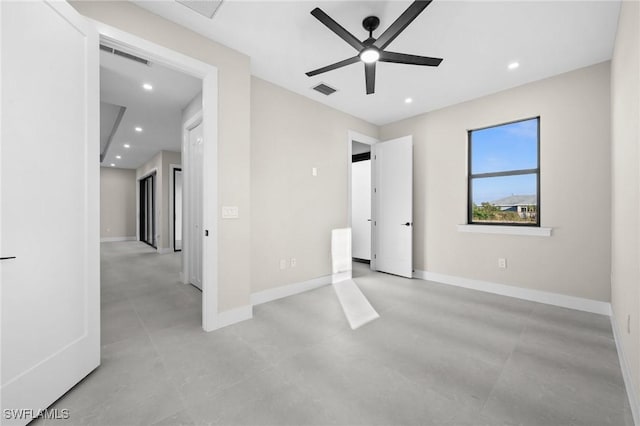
[293, 262]
[502, 263]
[314, 171]
[629, 324]
[283, 263]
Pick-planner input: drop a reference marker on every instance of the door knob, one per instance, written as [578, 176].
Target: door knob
[7, 258]
[406, 224]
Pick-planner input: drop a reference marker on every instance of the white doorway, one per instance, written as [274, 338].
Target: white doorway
[361, 202]
[388, 210]
[360, 207]
[208, 184]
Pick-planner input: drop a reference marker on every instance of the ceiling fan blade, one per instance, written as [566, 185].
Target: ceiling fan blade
[370, 77]
[337, 65]
[403, 58]
[337, 28]
[401, 23]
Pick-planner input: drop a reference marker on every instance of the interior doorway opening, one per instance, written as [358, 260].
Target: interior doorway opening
[170, 238]
[360, 205]
[361, 202]
[176, 201]
[147, 205]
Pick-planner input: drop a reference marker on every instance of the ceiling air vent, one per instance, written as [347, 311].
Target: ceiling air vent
[324, 89]
[206, 8]
[124, 54]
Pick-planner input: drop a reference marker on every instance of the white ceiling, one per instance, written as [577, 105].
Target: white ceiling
[158, 112]
[477, 40]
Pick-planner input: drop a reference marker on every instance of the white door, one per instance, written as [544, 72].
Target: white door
[195, 161]
[49, 205]
[393, 198]
[177, 208]
[361, 209]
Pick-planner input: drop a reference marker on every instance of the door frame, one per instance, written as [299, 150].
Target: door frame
[172, 209]
[209, 75]
[353, 136]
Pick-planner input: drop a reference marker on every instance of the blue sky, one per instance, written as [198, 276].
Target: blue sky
[497, 149]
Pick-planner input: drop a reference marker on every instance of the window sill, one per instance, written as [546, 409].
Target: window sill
[506, 230]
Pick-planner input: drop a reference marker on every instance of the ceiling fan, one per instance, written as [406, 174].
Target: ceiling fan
[372, 50]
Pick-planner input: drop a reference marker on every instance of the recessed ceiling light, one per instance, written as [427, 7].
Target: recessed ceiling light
[147, 86]
[126, 145]
[138, 129]
[408, 101]
[513, 65]
[113, 165]
[118, 157]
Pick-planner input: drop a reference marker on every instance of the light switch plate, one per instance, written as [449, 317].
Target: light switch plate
[229, 212]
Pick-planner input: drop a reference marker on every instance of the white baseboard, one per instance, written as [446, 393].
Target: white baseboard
[116, 239]
[235, 315]
[571, 302]
[626, 374]
[289, 290]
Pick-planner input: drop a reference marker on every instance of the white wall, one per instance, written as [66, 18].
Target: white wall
[625, 195]
[575, 187]
[293, 212]
[361, 209]
[117, 203]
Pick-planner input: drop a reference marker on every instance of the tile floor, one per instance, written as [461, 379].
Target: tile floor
[439, 355]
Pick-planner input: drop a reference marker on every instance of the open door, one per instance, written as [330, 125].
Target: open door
[49, 205]
[197, 232]
[393, 206]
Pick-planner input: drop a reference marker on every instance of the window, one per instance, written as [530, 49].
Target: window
[504, 174]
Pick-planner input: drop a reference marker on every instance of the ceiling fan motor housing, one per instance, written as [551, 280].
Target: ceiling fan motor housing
[370, 23]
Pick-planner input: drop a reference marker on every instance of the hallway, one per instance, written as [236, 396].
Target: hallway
[141, 293]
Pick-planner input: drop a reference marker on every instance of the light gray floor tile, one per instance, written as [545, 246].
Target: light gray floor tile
[438, 355]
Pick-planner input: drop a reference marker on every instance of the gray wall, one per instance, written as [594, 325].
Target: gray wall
[117, 203]
[293, 212]
[625, 135]
[575, 186]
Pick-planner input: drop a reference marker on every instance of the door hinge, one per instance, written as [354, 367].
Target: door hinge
[206, 232]
[375, 256]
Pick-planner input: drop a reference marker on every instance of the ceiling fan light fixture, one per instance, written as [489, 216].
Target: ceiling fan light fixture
[369, 55]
